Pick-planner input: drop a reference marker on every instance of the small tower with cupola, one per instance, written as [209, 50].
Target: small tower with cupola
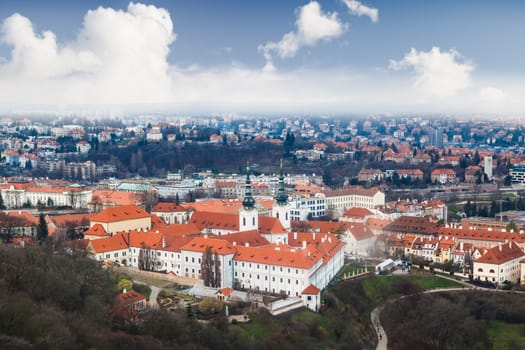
[281, 207]
[248, 214]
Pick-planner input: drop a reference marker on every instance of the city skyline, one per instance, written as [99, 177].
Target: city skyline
[336, 57]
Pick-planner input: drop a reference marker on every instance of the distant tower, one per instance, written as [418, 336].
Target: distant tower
[281, 208]
[488, 166]
[248, 214]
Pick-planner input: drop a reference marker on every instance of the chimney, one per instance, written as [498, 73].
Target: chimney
[234, 243]
[329, 239]
[304, 244]
[124, 291]
[314, 236]
[500, 249]
[295, 235]
[164, 241]
[246, 244]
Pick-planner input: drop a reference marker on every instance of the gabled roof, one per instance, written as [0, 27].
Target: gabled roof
[311, 290]
[425, 225]
[270, 225]
[360, 231]
[357, 212]
[204, 220]
[96, 230]
[130, 297]
[108, 244]
[168, 207]
[501, 254]
[63, 220]
[120, 213]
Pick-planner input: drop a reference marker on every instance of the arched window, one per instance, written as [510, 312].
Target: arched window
[480, 270]
[491, 271]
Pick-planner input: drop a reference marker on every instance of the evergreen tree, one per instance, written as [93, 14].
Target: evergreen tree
[41, 230]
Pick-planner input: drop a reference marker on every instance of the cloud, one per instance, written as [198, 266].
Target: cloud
[118, 57]
[357, 8]
[492, 95]
[437, 74]
[312, 26]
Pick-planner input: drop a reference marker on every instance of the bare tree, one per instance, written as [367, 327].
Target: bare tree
[147, 259]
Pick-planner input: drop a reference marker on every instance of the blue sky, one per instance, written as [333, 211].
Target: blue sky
[327, 57]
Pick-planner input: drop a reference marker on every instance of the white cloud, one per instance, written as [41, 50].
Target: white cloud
[437, 74]
[492, 94]
[312, 26]
[357, 8]
[118, 57]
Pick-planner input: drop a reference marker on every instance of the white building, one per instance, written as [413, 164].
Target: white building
[499, 264]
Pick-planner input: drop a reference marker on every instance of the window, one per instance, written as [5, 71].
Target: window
[192, 260]
[480, 270]
[491, 271]
[309, 298]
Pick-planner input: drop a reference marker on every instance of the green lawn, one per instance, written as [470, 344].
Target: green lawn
[378, 288]
[351, 268]
[505, 335]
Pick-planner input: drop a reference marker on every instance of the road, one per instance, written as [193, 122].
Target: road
[153, 297]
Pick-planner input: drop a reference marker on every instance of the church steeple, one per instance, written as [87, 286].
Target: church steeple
[248, 202]
[281, 197]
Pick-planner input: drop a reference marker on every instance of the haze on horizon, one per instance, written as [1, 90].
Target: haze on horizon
[335, 57]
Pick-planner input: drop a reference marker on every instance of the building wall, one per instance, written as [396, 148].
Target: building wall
[143, 224]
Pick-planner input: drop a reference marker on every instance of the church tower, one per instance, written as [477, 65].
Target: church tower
[281, 208]
[248, 214]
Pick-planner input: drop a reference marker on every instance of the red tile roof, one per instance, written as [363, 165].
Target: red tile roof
[501, 254]
[96, 230]
[120, 213]
[108, 244]
[357, 212]
[168, 207]
[311, 290]
[253, 238]
[219, 246]
[360, 231]
[130, 297]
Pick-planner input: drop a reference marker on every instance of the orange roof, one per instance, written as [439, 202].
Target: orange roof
[109, 244]
[168, 207]
[116, 197]
[225, 206]
[96, 230]
[219, 246]
[204, 220]
[376, 223]
[269, 225]
[183, 229]
[26, 219]
[252, 238]
[311, 290]
[282, 255]
[63, 220]
[360, 231]
[130, 297]
[225, 291]
[120, 213]
[357, 212]
[501, 254]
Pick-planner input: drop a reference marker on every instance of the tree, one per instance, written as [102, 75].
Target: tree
[147, 259]
[42, 230]
[512, 227]
[207, 267]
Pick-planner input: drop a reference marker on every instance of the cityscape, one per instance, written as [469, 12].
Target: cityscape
[316, 174]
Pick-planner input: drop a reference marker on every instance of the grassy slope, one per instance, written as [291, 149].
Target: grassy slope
[505, 335]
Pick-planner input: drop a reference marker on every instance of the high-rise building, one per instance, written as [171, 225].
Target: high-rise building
[488, 166]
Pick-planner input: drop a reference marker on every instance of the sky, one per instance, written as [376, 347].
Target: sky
[333, 57]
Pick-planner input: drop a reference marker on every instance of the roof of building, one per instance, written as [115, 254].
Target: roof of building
[168, 207]
[501, 254]
[117, 242]
[360, 231]
[251, 238]
[120, 213]
[129, 297]
[311, 290]
[356, 212]
[96, 230]
[219, 246]
[215, 220]
[425, 225]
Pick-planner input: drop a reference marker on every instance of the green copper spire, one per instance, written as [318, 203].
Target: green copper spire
[281, 197]
[248, 202]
